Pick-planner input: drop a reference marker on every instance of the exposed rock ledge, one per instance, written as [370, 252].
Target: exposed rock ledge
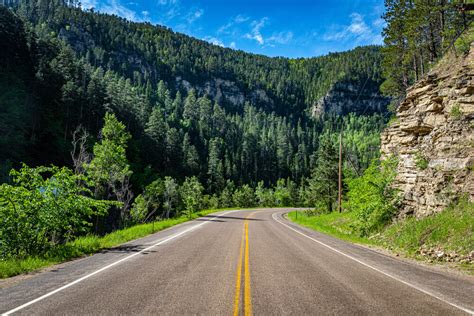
[433, 138]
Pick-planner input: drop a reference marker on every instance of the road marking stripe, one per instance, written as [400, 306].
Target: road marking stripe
[238, 280]
[465, 309]
[111, 265]
[247, 293]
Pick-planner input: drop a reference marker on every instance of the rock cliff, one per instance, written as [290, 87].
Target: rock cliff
[345, 97]
[432, 136]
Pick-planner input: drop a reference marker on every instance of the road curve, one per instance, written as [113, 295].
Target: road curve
[239, 262]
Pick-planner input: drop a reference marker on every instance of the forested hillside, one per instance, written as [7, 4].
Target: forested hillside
[73, 66]
[147, 54]
[149, 124]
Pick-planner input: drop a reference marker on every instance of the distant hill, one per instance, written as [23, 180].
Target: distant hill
[193, 108]
[147, 54]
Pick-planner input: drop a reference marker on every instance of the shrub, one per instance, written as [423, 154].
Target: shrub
[148, 203]
[456, 112]
[244, 197]
[264, 196]
[372, 198]
[420, 161]
[45, 206]
[191, 193]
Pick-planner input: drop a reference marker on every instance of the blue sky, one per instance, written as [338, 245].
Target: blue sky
[291, 28]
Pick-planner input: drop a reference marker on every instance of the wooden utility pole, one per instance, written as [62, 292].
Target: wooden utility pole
[339, 198]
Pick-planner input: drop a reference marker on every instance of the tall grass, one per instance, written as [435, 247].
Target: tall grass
[88, 245]
[451, 230]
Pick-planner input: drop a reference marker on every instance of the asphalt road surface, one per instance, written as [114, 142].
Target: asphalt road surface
[239, 262]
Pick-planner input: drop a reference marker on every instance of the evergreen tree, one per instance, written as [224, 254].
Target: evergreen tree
[215, 171]
[323, 183]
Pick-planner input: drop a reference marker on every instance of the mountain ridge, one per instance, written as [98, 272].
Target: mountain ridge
[151, 53]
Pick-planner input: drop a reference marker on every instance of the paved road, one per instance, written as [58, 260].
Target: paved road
[239, 262]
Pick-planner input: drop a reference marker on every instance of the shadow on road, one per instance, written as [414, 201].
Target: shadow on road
[128, 249]
[212, 218]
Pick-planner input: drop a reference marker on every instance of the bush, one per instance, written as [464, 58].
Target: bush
[148, 203]
[45, 206]
[264, 196]
[456, 112]
[191, 193]
[244, 196]
[420, 161]
[283, 194]
[372, 198]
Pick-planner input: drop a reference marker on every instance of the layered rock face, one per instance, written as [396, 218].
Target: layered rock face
[433, 138]
[348, 97]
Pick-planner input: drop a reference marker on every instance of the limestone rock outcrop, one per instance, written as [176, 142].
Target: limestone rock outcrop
[349, 97]
[433, 138]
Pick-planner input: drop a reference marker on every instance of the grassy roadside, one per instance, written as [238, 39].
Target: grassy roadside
[447, 237]
[90, 244]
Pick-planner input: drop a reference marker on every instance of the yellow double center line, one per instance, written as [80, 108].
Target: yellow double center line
[245, 256]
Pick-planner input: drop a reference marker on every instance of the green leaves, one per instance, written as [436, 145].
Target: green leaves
[191, 194]
[372, 198]
[45, 206]
[416, 35]
[109, 169]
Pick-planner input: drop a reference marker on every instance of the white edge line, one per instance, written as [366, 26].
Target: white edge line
[467, 310]
[162, 241]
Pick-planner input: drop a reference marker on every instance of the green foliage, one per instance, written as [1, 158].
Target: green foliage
[420, 161]
[244, 197]
[225, 198]
[456, 112]
[372, 198]
[148, 203]
[109, 170]
[44, 207]
[336, 224]
[191, 193]
[416, 35]
[264, 196]
[450, 230]
[175, 132]
[170, 195]
[463, 43]
[87, 245]
[285, 193]
[323, 183]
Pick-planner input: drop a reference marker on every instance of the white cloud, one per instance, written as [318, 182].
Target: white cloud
[233, 45]
[255, 33]
[233, 22]
[194, 15]
[145, 13]
[358, 30]
[167, 2]
[115, 7]
[168, 11]
[241, 18]
[214, 40]
[379, 23]
[88, 4]
[281, 37]
[358, 26]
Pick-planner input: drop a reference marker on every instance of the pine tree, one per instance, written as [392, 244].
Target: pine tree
[190, 156]
[215, 169]
[323, 183]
